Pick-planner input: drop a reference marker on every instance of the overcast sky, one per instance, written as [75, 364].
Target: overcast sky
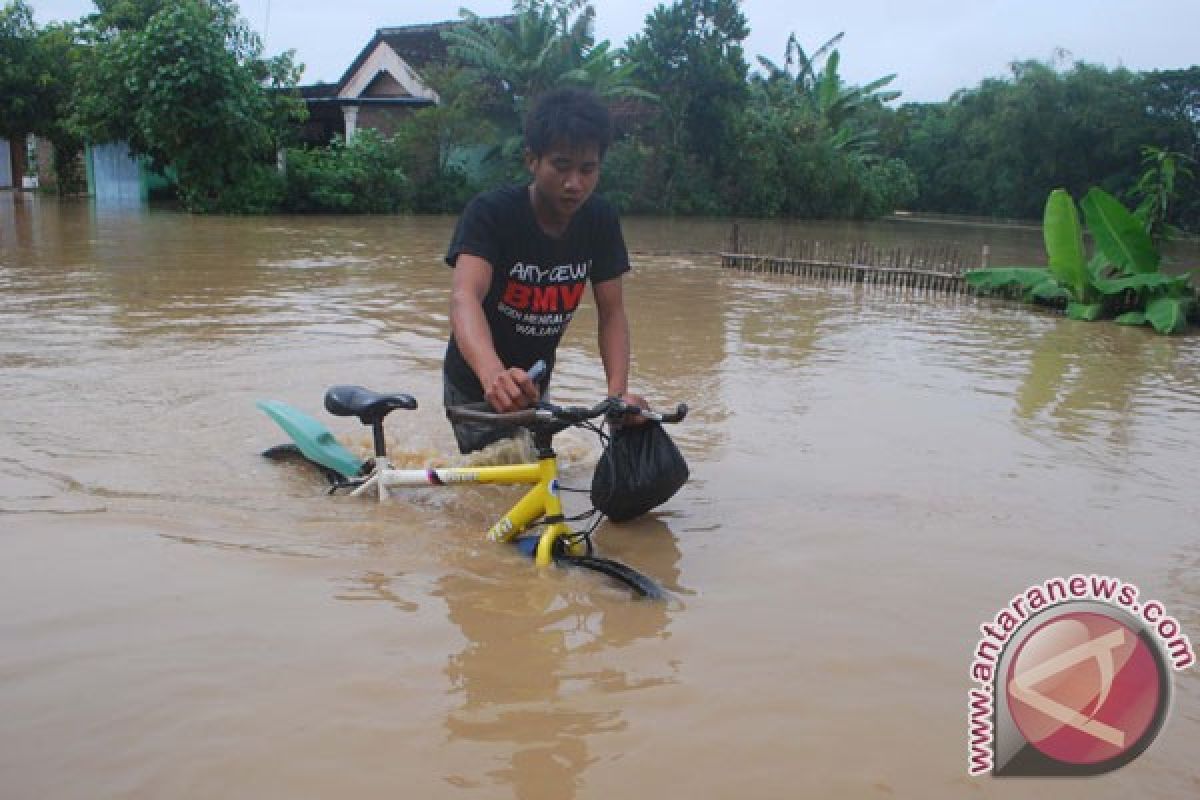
[934, 46]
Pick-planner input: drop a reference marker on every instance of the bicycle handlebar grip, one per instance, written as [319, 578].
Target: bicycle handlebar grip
[680, 412]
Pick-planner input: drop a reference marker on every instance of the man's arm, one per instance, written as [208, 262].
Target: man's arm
[613, 335]
[505, 389]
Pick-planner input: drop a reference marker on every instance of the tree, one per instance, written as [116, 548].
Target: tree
[546, 43]
[36, 84]
[22, 107]
[545, 40]
[434, 139]
[122, 16]
[690, 54]
[790, 164]
[997, 149]
[1172, 99]
[1158, 190]
[188, 90]
[823, 93]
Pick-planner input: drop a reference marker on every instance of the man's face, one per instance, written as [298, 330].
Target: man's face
[564, 177]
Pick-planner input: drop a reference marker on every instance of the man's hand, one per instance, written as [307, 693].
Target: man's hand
[510, 390]
[631, 399]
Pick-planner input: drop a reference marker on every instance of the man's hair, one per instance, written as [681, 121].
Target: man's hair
[573, 117]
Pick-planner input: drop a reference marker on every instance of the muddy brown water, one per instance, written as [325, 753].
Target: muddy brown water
[875, 474]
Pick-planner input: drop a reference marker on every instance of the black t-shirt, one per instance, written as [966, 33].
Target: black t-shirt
[537, 280]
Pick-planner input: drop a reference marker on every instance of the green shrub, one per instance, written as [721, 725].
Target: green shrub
[364, 176]
[258, 190]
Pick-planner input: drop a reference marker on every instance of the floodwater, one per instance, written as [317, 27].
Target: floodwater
[875, 473]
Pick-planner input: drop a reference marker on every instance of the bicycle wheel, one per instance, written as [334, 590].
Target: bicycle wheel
[636, 582]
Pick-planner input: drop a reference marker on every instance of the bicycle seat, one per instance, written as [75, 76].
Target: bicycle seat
[370, 407]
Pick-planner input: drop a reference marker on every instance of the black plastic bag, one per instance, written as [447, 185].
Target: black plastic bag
[641, 468]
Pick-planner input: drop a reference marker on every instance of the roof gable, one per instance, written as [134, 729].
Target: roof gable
[376, 61]
[417, 46]
[384, 85]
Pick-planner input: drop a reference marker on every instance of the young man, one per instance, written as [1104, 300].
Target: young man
[522, 256]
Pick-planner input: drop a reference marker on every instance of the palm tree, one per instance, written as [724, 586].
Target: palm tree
[529, 52]
[546, 43]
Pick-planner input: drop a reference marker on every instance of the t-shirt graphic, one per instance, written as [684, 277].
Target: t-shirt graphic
[537, 281]
[542, 300]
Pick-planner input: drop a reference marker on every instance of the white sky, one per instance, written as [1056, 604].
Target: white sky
[934, 46]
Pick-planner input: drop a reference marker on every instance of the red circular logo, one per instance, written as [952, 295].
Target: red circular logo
[1084, 688]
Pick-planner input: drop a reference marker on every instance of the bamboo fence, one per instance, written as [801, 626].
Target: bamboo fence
[935, 267]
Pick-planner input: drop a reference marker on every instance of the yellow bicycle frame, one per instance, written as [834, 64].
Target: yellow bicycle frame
[541, 501]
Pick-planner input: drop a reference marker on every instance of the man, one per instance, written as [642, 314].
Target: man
[522, 256]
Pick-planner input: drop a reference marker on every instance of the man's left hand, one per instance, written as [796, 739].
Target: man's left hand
[631, 399]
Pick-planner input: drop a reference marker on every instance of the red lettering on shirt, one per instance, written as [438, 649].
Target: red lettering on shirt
[542, 299]
[517, 295]
[545, 298]
[571, 295]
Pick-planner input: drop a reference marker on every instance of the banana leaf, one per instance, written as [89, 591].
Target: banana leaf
[1064, 244]
[995, 279]
[1089, 312]
[1168, 314]
[1148, 281]
[1119, 234]
[1049, 292]
[1100, 267]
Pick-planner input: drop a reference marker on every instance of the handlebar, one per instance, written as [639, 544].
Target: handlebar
[544, 413]
[671, 418]
[550, 413]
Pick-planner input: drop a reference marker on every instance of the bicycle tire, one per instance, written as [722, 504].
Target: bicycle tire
[627, 576]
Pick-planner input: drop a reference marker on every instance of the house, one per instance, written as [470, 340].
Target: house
[382, 86]
[29, 162]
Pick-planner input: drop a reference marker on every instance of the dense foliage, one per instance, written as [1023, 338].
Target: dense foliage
[184, 82]
[808, 147]
[364, 176]
[549, 43]
[997, 149]
[700, 130]
[36, 84]
[691, 54]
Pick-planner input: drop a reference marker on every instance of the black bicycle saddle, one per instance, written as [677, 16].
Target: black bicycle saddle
[370, 407]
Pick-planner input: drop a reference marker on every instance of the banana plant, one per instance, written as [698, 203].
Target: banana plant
[1068, 275]
[1125, 265]
[815, 84]
[1133, 265]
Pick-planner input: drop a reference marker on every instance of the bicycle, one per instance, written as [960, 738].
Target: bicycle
[540, 507]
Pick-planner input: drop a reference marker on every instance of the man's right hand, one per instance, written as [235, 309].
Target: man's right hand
[510, 390]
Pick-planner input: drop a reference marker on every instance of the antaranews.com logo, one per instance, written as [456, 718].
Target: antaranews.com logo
[1074, 678]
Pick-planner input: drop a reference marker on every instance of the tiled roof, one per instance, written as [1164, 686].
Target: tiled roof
[418, 45]
[318, 90]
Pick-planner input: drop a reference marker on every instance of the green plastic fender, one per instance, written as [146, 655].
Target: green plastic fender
[314, 439]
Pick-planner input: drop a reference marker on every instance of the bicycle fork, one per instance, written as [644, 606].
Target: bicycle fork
[542, 502]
